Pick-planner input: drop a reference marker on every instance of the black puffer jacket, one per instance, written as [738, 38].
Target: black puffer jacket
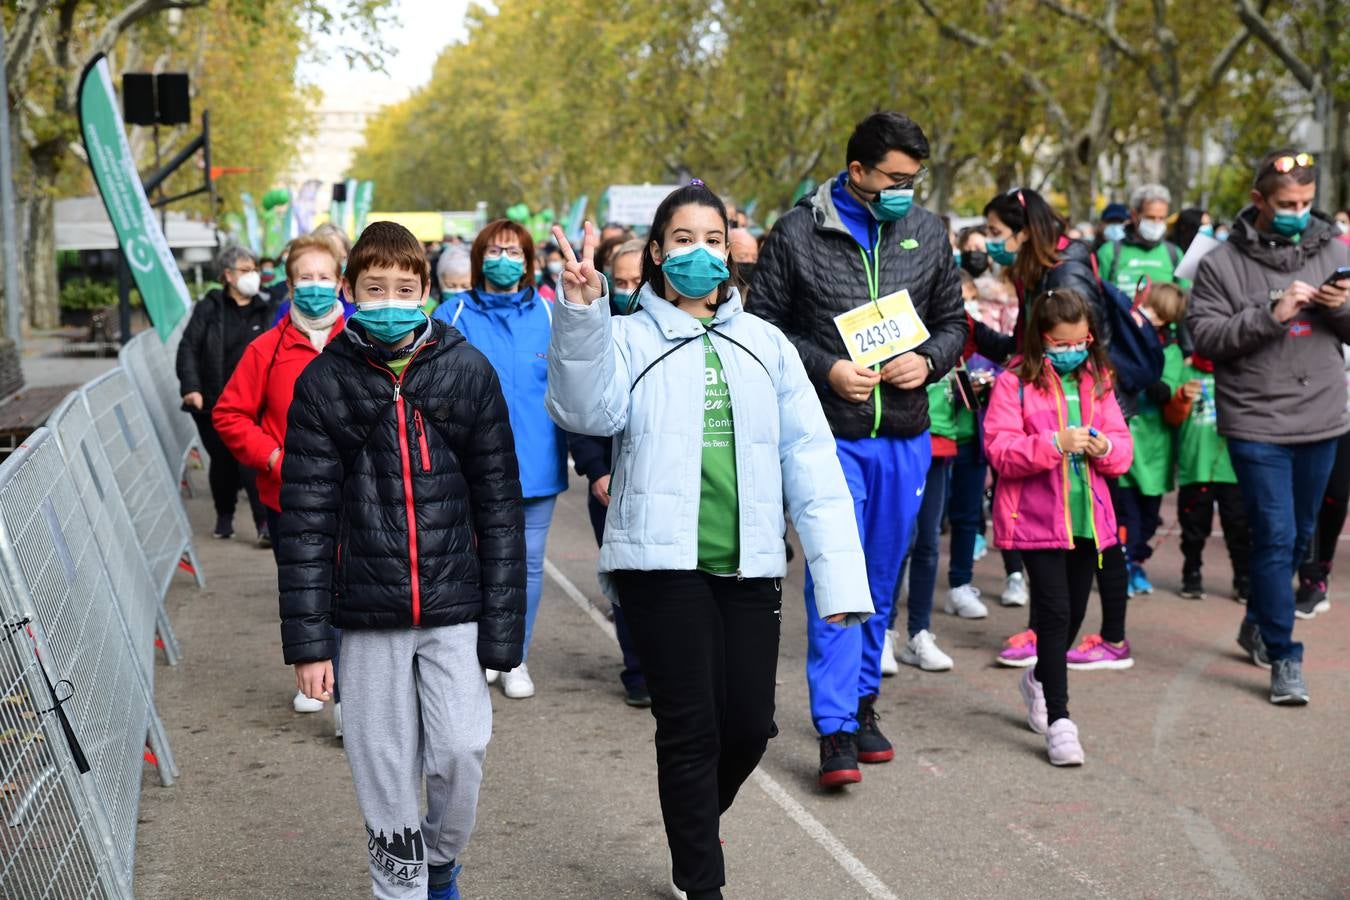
[401, 501]
[811, 270]
[204, 356]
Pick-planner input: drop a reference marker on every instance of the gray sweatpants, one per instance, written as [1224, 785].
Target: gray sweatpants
[414, 705]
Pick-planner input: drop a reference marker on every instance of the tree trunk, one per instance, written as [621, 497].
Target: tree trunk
[43, 303]
[1079, 166]
[1174, 159]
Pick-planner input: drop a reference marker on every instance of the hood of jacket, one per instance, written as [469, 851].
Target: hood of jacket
[1275, 251]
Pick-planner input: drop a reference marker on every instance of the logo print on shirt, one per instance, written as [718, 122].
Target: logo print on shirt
[1300, 328]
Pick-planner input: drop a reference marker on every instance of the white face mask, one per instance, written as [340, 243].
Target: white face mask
[555, 267]
[249, 284]
[1343, 226]
[1152, 231]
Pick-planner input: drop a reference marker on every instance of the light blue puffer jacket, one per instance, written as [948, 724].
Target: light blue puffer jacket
[784, 449]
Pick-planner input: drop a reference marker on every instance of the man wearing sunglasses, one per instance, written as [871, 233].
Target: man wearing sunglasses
[1266, 311]
[855, 243]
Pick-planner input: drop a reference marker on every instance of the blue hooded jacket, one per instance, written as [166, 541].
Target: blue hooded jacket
[513, 331]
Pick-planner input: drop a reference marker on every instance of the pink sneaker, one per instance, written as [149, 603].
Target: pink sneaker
[1061, 742]
[1019, 651]
[1033, 695]
[1095, 653]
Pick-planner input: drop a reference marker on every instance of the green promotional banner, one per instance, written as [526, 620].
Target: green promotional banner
[349, 211]
[138, 231]
[254, 229]
[365, 196]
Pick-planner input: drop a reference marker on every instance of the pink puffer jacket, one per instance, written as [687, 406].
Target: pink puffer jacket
[1031, 504]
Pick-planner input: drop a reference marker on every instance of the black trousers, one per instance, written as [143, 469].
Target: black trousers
[631, 675]
[1330, 517]
[1113, 587]
[226, 475]
[1195, 515]
[1138, 515]
[1060, 582]
[709, 649]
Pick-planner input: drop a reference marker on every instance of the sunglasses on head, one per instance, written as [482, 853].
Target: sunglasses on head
[1286, 164]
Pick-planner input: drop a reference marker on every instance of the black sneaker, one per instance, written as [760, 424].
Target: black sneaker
[1249, 639]
[1192, 588]
[1287, 686]
[1311, 599]
[264, 538]
[1242, 589]
[637, 697]
[838, 760]
[224, 527]
[872, 744]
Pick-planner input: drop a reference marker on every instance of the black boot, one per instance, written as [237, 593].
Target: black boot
[838, 760]
[872, 744]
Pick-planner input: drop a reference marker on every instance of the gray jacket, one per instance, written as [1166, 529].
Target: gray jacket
[1277, 383]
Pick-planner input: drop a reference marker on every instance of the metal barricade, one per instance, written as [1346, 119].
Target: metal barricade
[148, 489]
[51, 561]
[184, 428]
[140, 359]
[92, 475]
[53, 843]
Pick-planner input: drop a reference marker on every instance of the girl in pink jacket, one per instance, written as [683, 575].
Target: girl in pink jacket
[1054, 433]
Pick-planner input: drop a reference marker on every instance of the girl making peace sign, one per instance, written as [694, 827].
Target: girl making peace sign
[716, 428]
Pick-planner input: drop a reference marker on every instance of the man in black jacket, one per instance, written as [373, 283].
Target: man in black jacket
[402, 525]
[854, 244]
[223, 324]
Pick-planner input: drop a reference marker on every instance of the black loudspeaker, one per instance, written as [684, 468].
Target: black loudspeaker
[138, 98]
[172, 100]
[339, 192]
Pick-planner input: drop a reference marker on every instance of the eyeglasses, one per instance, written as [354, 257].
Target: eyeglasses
[1052, 344]
[1286, 164]
[496, 252]
[905, 180]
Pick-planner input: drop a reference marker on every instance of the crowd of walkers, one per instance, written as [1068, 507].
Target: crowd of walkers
[403, 422]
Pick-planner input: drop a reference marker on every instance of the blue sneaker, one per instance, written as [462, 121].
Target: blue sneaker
[981, 548]
[449, 890]
[1139, 583]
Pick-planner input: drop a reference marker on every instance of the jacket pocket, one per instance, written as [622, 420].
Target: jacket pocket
[423, 450]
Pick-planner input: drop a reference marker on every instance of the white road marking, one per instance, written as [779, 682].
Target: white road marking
[1063, 865]
[808, 823]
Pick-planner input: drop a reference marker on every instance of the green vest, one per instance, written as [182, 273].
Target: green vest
[1202, 454]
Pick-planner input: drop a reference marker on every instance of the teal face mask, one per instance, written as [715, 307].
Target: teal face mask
[314, 298]
[1291, 224]
[998, 251]
[624, 301]
[1207, 230]
[389, 323]
[694, 271]
[892, 204]
[1065, 361]
[503, 271]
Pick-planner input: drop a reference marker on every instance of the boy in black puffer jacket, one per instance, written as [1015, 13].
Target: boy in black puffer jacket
[402, 525]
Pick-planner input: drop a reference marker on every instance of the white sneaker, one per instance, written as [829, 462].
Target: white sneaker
[1015, 591]
[337, 720]
[303, 704]
[516, 683]
[922, 651]
[964, 601]
[491, 675]
[888, 664]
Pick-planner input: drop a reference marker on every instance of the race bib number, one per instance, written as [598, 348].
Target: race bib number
[875, 332]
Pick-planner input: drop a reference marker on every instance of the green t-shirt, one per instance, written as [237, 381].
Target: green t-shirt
[948, 417]
[1202, 456]
[1080, 503]
[1153, 472]
[1136, 262]
[398, 365]
[719, 536]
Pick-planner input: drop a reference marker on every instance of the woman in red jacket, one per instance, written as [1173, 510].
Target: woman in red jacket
[250, 415]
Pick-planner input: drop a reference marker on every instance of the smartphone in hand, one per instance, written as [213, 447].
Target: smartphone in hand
[1336, 278]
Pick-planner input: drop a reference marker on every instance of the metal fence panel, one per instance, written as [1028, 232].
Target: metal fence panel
[184, 428]
[93, 479]
[138, 358]
[51, 561]
[51, 843]
[149, 491]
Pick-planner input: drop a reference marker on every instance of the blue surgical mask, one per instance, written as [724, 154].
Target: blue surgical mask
[314, 298]
[503, 271]
[1207, 230]
[624, 301]
[695, 271]
[1114, 232]
[892, 204]
[1220, 235]
[998, 251]
[1065, 361]
[1291, 224]
[389, 321]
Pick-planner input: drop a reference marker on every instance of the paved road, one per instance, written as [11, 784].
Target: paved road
[1195, 786]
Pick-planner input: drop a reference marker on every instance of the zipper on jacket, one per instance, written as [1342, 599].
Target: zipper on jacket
[405, 461]
[874, 292]
[423, 451]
